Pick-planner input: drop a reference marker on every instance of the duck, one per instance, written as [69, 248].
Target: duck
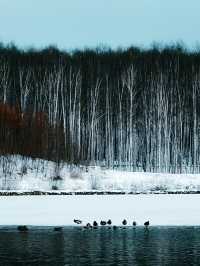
[58, 229]
[103, 223]
[134, 223]
[109, 222]
[124, 222]
[22, 228]
[146, 223]
[95, 224]
[76, 221]
[88, 225]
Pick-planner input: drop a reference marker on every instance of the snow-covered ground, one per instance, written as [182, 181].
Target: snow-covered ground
[61, 210]
[25, 174]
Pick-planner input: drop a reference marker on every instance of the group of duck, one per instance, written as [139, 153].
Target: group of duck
[95, 225]
[108, 223]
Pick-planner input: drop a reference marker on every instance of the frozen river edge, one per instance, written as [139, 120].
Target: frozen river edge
[71, 193]
[51, 210]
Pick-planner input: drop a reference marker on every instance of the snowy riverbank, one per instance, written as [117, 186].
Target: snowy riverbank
[61, 210]
[25, 174]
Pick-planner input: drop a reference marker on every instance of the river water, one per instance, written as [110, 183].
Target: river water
[103, 246]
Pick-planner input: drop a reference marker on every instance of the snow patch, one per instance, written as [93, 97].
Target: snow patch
[62, 210]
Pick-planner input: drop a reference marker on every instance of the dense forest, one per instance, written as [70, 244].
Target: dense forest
[129, 108]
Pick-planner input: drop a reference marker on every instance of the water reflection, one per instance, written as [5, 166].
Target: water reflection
[74, 246]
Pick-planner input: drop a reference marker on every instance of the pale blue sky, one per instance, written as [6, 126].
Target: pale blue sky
[73, 24]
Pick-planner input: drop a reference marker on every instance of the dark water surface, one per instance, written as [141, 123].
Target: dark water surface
[74, 246]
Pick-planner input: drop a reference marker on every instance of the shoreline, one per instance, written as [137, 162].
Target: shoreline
[82, 193]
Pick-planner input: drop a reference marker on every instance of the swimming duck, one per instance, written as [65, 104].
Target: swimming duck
[22, 228]
[58, 229]
[88, 225]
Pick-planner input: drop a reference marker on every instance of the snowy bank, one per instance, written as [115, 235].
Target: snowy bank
[25, 174]
[61, 210]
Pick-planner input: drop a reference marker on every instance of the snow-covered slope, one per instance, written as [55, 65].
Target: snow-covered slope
[26, 174]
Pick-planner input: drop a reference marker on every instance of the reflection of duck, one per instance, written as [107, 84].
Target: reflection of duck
[146, 223]
[76, 221]
[109, 222]
[124, 222]
[134, 223]
[103, 223]
[22, 228]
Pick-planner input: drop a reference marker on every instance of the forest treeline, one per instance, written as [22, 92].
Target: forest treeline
[130, 108]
